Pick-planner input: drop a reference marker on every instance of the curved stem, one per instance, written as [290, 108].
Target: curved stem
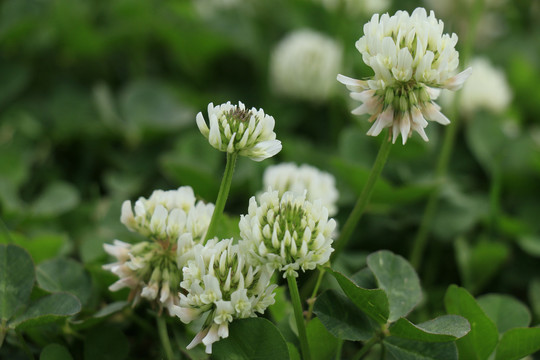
[164, 337]
[314, 293]
[363, 200]
[441, 170]
[298, 315]
[222, 195]
[367, 346]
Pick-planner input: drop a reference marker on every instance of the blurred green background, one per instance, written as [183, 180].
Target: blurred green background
[98, 102]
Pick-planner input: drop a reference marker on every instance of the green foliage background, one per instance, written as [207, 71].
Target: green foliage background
[98, 102]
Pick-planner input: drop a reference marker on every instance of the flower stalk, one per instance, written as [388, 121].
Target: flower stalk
[299, 317]
[223, 194]
[363, 200]
[164, 337]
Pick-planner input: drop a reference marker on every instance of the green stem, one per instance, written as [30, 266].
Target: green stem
[363, 200]
[339, 349]
[494, 197]
[367, 346]
[314, 293]
[441, 169]
[298, 315]
[164, 337]
[222, 195]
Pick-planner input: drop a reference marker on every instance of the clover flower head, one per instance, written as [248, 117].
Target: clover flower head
[222, 286]
[235, 129]
[287, 233]
[297, 179]
[173, 222]
[486, 89]
[412, 60]
[303, 65]
[148, 269]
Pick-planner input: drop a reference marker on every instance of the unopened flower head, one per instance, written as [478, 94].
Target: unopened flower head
[287, 233]
[412, 60]
[148, 269]
[297, 179]
[486, 89]
[173, 222]
[221, 286]
[304, 65]
[235, 129]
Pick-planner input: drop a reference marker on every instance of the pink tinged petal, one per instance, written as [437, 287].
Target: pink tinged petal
[405, 127]
[201, 124]
[456, 82]
[420, 130]
[384, 120]
[197, 339]
[352, 84]
[418, 118]
[431, 112]
[395, 131]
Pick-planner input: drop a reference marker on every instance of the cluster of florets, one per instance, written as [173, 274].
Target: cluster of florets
[318, 185]
[287, 233]
[235, 129]
[412, 59]
[173, 222]
[304, 65]
[221, 285]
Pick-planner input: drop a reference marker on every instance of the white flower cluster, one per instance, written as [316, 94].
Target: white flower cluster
[235, 129]
[304, 65]
[486, 89]
[222, 286]
[148, 269]
[297, 179]
[173, 222]
[287, 233]
[412, 59]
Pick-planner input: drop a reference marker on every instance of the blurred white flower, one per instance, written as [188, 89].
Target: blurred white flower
[235, 129]
[221, 286]
[173, 222]
[412, 59]
[487, 89]
[304, 65]
[297, 179]
[287, 233]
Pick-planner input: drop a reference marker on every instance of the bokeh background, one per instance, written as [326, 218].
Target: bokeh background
[98, 102]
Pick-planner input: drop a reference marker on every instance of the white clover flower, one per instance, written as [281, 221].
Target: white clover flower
[234, 129]
[304, 65]
[148, 269]
[287, 233]
[297, 179]
[174, 222]
[221, 286]
[486, 89]
[412, 59]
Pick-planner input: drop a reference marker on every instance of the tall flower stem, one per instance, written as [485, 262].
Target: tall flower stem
[363, 200]
[164, 337]
[314, 293]
[441, 169]
[222, 195]
[299, 317]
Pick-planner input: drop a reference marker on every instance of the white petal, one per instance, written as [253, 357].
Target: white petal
[456, 82]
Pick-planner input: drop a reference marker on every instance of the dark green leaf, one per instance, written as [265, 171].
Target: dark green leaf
[402, 349]
[480, 342]
[17, 277]
[47, 309]
[518, 343]
[293, 352]
[441, 329]
[39, 247]
[68, 275]
[341, 317]
[100, 315]
[106, 343]
[505, 311]
[530, 244]
[373, 303]
[55, 352]
[322, 344]
[252, 338]
[398, 279]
